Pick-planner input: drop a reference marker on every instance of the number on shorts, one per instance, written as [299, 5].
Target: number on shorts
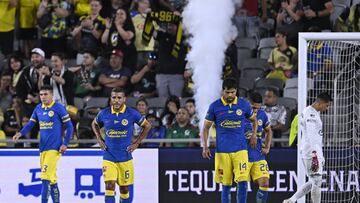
[44, 169]
[127, 174]
[264, 167]
[242, 166]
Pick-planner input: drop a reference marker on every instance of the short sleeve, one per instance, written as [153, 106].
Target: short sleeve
[138, 118]
[210, 115]
[266, 122]
[249, 113]
[99, 118]
[64, 115]
[34, 117]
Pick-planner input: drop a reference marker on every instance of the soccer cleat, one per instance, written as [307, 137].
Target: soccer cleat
[287, 201]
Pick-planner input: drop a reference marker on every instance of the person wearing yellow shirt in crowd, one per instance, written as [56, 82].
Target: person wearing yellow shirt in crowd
[28, 31]
[282, 59]
[7, 25]
[138, 15]
[348, 21]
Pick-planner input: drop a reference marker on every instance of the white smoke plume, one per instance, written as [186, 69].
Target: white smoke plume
[210, 26]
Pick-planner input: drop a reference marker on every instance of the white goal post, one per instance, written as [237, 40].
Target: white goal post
[341, 78]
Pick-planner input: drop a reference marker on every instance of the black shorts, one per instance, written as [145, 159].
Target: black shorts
[28, 33]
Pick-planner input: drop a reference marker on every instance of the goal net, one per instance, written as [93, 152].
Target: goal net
[332, 64]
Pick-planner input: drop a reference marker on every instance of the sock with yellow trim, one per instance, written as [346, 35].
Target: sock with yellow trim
[124, 198]
[261, 195]
[109, 196]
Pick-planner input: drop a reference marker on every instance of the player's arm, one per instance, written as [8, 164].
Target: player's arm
[27, 128]
[268, 138]
[205, 136]
[96, 129]
[253, 138]
[146, 126]
[69, 129]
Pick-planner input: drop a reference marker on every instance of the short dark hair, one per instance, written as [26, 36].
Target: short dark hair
[118, 90]
[47, 88]
[142, 100]
[255, 97]
[91, 52]
[59, 54]
[275, 91]
[229, 83]
[324, 96]
[191, 100]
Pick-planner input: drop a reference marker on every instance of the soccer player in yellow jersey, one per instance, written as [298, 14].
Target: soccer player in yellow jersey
[118, 121]
[231, 158]
[51, 116]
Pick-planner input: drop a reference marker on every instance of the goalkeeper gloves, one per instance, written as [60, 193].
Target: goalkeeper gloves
[314, 162]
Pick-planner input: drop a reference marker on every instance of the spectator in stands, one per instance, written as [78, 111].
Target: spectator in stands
[88, 32]
[246, 18]
[289, 19]
[61, 79]
[172, 105]
[53, 36]
[16, 65]
[144, 79]
[12, 118]
[182, 128]
[1, 117]
[28, 32]
[120, 34]
[138, 15]
[170, 69]
[282, 59]
[317, 13]
[348, 21]
[5, 94]
[7, 25]
[275, 112]
[87, 76]
[191, 108]
[268, 12]
[116, 75]
[142, 107]
[110, 7]
[319, 57]
[157, 131]
[27, 86]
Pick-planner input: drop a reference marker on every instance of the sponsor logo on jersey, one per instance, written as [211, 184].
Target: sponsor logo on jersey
[115, 121]
[116, 133]
[230, 124]
[46, 125]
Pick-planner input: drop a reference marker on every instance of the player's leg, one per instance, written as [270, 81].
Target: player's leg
[304, 189]
[224, 175]
[260, 173]
[241, 170]
[126, 178]
[110, 177]
[48, 162]
[316, 186]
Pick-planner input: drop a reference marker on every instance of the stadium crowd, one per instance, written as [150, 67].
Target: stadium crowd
[84, 48]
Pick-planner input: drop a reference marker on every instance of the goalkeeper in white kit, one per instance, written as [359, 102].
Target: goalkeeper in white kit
[311, 148]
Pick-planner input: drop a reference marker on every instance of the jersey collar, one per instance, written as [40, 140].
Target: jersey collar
[225, 103]
[122, 110]
[48, 106]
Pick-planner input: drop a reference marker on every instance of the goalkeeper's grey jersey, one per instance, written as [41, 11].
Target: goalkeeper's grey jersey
[311, 133]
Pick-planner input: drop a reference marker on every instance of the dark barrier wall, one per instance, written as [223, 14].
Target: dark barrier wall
[186, 177]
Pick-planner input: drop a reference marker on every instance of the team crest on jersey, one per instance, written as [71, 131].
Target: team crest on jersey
[124, 121]
[239, 112]
[260, 122]
[187, 133]
[51, 113]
